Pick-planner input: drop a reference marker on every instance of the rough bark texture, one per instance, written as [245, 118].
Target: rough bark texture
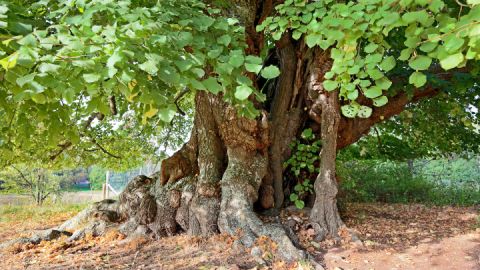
[284, 118]
[324, 211]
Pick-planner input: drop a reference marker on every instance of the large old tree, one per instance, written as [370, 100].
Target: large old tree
[258, 72]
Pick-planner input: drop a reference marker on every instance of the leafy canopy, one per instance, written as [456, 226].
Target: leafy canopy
[61, 61]
[371, 40]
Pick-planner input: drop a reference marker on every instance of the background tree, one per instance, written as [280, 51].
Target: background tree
[342, 67]
[38, 183]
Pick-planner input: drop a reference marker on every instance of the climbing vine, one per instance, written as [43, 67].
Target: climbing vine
[303, 163]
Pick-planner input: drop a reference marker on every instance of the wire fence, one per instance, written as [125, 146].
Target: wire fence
[117, 181]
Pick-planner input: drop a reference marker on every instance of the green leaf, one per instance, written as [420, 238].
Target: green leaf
[473, 2]
[150, 67]
[215, 53]
[375, 73]
[364, 112]
[436, 5]
[416, 16]
[166, 114]
[212, 85]
[384, 83]
[418, 79]
[299, 204]
[428, 46]
[353, 95]
[452, 61]
[48, 68]
[380, 101]
[252, 59]
[242, 92]
[474, 31]
[197, 85]
[69, 95]
[236, 60]
[373, 92]
[405, 54]
[253, 68]
[26, 79]
[293, 197]
[421, 62]
[297, 35]
[10, 61]
[224, 40]
[330, 85]
[91, 77]
[199, 72]
[370, 48]
[39, 98]
[270, 72]
[312, 39]
[388, 63]
[349, 111]
[83, 63]
[453, 43]
[113, 59]
[307, 134]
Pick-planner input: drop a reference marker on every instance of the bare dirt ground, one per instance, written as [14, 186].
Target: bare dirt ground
[393, 236]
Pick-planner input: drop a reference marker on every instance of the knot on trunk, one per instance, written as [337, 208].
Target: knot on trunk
[175, 167]
[209, 190]
[137, 201]
[249, 134]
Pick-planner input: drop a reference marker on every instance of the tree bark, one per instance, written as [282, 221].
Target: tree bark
[326, 110]
[285, 114]
[325, 212]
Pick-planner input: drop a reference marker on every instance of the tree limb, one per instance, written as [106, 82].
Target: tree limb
[113, 105]
[28, 182]
[105, 150]
[178, 98]
[63, 147]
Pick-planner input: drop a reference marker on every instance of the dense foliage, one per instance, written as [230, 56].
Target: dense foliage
[367, 38]
[66, 61]
[456, 183]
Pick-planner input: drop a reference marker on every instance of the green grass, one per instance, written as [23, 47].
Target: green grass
[34, 213]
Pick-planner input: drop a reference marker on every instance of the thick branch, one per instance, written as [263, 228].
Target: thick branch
[352, 129]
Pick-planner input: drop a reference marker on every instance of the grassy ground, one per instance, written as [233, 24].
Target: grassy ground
[78, 197]
[22, 220]
[33, 213]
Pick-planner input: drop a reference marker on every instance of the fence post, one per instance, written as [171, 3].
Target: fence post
[107, 179]
[104, 191]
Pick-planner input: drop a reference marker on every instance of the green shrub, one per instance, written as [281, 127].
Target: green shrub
[96, 176]
[393, 182]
